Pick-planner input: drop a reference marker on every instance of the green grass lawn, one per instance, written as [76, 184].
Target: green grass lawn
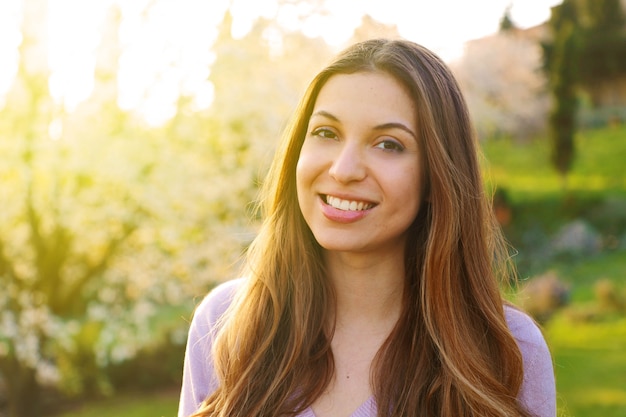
[525, 169]
[156, 404]
[590, 366]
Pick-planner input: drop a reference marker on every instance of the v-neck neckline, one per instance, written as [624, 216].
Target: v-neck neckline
[367, 409]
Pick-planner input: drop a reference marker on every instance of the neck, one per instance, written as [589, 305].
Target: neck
[368, 289]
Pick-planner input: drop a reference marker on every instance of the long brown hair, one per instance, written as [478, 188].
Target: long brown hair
[451, 353]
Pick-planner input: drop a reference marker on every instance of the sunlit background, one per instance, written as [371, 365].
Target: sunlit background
[134, 136]
[166, 43]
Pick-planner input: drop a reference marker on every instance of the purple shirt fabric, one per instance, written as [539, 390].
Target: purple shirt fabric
[538, 393]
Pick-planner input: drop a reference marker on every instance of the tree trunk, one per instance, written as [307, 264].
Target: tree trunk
[24, 392]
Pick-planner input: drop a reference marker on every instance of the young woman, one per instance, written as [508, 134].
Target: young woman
[373, 286]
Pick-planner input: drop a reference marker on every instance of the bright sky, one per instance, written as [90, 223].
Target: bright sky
[164, 46]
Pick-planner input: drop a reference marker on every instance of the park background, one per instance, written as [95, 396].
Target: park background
[125, 199]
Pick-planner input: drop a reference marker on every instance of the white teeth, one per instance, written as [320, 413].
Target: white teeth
[347, 204]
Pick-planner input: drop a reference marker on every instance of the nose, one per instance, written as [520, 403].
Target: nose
[349, 164]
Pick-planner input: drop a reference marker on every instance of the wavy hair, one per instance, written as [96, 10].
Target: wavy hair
[451, 353]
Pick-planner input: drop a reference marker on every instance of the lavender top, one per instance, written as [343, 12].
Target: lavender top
[538, 393]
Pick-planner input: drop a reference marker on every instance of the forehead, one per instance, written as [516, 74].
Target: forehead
[377, 94]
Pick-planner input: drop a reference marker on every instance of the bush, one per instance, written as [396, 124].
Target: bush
[543, 295]
[609, 297]
[158, 367]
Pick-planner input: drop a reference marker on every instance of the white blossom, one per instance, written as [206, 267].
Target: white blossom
[503, 84]
[47, 373]
[8, 324]
[27, 349]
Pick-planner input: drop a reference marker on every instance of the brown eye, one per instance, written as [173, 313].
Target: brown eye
[324, 133]
[390, 146]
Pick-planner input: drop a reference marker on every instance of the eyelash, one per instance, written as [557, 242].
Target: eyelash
[323, 132]
[395, 146]
[388, 145]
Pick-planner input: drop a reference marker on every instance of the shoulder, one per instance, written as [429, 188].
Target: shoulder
[538, 392]
[216, 302]
[207, 316]
[524, 328]
[528, 336]
[199, 378]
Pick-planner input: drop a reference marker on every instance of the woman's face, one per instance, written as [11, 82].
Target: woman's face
[359, 175]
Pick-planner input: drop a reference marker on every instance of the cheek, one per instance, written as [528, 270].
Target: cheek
[306, 166]
[413, 191]
[301, 169]
[303, 178]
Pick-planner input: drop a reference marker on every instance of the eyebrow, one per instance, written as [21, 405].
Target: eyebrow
[384, 126]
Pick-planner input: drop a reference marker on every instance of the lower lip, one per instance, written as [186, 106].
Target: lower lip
[342, 216]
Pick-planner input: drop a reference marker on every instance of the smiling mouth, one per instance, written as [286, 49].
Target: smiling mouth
[346, 205]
